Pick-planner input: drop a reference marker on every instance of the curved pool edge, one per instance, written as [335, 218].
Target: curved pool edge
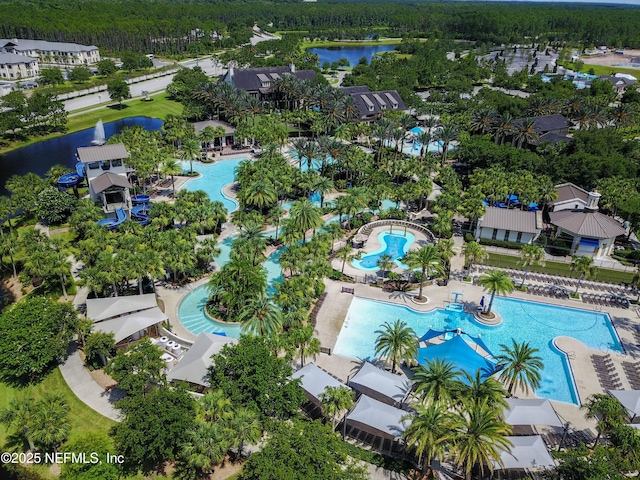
[566, 361]
[383, 247]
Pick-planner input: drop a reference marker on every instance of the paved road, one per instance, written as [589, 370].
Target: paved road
[210, 66]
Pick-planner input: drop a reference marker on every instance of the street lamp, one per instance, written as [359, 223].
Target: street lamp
[99, 98]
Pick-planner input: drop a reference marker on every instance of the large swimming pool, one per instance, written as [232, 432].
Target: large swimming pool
[395, 244]
[533, 322]
[213, 177]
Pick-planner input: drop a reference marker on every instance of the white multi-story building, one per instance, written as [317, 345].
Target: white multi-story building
[17, 67]
[54, 53]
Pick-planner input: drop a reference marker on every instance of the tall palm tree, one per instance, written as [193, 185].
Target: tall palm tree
[525, 133]
[445, 247]
[51, 421]
[335, 401]
[323, 185]
[205, 447]
[305, 342]
[483, 121]
[437, 381]
[480, 438]
[608, 412]
[214, 406]
[260, 317]
[396, 342]
[385, 263]
[246, 428]
[473, 252]
[207, 135]
[532, 256]
[171, 167]
[447, 134]
[428, 260]
[304, 216]
[481, 388]
[496, 281]
[191, 150]
[519, 366]
[584, 267]
[344, 254]
[431, 433]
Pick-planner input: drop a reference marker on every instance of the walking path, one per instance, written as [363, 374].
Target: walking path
[85, 387]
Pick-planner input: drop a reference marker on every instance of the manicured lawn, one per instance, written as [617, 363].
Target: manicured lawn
[556, 268]
[82, 418]
[160, 107]
[602, 69]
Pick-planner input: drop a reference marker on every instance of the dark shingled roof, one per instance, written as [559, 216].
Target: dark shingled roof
[372, 103]
[248, 78]
[102, 153]
[106, 180]
[356, 89]
[553, 138]
[547, 123]
[587, 224]
[512, 219]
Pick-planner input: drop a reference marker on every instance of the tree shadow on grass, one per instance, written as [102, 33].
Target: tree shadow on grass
[118, 106]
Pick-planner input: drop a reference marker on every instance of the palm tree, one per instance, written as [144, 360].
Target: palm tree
[304, 216]
[344, 254]
[335, 401]
[246, 428]
[205, 447]
[214, 406]
[483, 388]
[396, 342]
[385, 263]
[51, 421]
[428, 260]
[275, 215]
[191, 150]
[431, 433]
[496, 281]
[447, 134]
[584, 267]
[304, 341]
[480, 438]
[323, 185]
[483, 120]
[532, 256]
[260, 193]
[171, 167]
[336, 231]
[519, 366]
[473, 252]
[608, 412]
[525, 133]
[437, 381]
[445, 247]
[260, 317]
[20, 413]
[207, 135]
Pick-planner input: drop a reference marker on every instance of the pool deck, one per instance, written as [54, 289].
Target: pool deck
[334, 310]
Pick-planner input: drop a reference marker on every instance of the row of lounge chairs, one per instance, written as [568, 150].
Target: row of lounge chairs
[632, 371]
[608, 300]
[606, 371]
[548, 291]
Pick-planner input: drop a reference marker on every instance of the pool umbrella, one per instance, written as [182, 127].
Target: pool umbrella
[630, 399]
[461, 354]
[416, 130]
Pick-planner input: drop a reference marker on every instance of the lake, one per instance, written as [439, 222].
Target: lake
[353, 54]
[40, 157]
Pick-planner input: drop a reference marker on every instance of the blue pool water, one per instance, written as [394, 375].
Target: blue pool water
[395, 244]
[536, 323]
[214, 177]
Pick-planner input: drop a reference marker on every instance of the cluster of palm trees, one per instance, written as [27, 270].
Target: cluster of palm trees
[42, 423]
[458, 415]
[220, 427]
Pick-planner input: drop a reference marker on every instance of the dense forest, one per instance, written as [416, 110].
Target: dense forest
[170, 26]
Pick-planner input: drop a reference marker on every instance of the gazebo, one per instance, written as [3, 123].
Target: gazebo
[381, 385]
[527, 412]
[314, 381]
[528, 453]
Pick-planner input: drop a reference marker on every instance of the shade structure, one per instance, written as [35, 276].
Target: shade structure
[380, 384]
[461, 354]
[630, 399]
[436, 333]
[314, 381]
[416, 130]
[126, 325]
[378, 418]
[102, 308]
[535, 411]
[194, 365]
[528, 452]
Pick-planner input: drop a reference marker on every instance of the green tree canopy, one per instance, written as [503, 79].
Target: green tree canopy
[138, 368]
[35, 333]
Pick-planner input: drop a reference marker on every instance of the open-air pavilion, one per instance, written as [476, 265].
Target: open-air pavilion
[528, 453]
[524, 413]
[128, 318]
[194, 364]
[314, 381]
[630, 399]
[462, 354]
[376, 423]
[381, 385]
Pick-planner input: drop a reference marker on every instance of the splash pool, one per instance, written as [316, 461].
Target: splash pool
[395, 244]
[213, 178]
[523, 321]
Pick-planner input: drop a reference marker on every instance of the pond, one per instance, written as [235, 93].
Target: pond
[353, 54]
[40, 157]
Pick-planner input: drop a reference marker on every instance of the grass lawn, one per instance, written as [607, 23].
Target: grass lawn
[556, 268]
[160, 107]
[602, 69]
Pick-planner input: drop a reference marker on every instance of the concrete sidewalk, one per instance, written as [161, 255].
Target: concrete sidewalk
[85, 387]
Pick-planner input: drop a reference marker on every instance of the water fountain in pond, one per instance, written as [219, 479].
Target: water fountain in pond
[98, 134]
